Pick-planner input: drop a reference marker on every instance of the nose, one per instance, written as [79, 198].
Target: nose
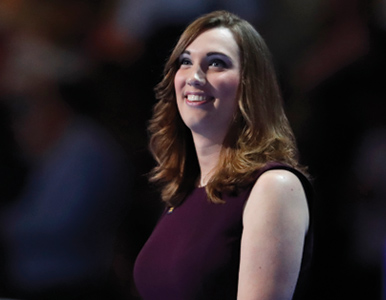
[196, 78]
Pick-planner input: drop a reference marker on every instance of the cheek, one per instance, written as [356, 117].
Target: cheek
[228, 87]
[178, 90]
[179, 82]
[228, 94]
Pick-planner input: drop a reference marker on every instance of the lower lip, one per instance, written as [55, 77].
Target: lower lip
[197, 103]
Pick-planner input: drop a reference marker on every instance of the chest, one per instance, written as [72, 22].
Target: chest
[194, 250]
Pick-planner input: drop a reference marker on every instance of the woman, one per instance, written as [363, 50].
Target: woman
[237, 222]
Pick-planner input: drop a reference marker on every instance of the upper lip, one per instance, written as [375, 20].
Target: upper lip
[202, 94]
[194, 93]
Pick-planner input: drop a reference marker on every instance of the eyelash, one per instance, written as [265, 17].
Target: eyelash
[216, 62]
[185, 61]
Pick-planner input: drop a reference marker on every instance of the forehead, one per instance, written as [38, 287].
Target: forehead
[218, 39]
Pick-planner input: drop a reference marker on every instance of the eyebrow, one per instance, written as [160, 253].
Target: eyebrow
[209, 54]
[217, 53]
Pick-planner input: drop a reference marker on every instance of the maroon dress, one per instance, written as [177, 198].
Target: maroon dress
[194, 251]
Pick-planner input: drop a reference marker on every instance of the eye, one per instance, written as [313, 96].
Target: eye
[184, 61]
[218, 63]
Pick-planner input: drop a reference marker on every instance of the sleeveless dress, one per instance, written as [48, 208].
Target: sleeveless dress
[194, 250]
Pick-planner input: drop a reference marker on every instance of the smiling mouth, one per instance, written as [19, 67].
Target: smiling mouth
[197, 98]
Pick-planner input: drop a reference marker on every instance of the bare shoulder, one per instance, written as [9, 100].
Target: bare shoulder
[278, 191]
[279, 180]
[275, 223]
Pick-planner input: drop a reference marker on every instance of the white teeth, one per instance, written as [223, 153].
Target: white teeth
[196, 98]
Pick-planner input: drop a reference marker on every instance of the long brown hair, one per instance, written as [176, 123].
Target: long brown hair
[260, 132]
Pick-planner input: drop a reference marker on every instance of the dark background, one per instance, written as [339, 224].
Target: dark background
[330, 58]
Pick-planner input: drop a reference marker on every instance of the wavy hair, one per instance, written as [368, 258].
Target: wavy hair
[260, 132]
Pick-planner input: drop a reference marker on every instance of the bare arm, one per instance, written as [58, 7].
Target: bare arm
[275, 222]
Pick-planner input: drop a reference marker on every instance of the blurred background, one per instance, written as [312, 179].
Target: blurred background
[76, 92]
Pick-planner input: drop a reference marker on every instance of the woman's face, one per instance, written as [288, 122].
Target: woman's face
[207, 81]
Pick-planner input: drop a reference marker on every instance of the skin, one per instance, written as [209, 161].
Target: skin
[209, 68]
[276, 211]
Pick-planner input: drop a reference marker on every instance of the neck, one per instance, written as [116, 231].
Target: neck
[208, 153]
